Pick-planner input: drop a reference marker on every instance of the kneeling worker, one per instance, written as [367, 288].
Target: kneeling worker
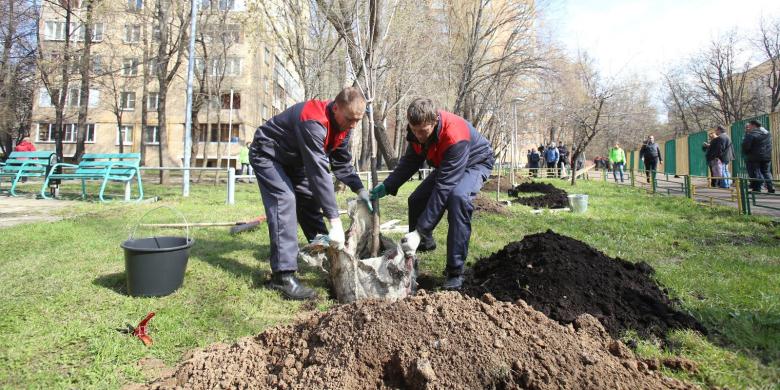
[462, 159]
[291, 155]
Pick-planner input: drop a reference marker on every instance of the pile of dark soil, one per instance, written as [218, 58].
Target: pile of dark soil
[552, 197]
[443, 341]
[565, 278]
[486, 204]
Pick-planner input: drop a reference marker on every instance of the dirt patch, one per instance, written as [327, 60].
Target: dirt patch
[485, 204]
[565, 278]
[491, 184]
[552, 197]
[443, 341]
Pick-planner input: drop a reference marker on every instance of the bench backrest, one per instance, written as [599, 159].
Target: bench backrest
[21, 161]
[97, 163]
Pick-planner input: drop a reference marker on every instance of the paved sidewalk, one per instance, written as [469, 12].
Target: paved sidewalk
[21, 209]
[703, 193]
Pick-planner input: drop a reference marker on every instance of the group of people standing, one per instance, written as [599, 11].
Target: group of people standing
[552, 156]
[719, 152]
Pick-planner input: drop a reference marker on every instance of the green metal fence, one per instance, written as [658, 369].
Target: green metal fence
[670, 157]
[697, 163]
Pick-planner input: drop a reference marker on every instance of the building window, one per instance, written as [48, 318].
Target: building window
[225, 99]
[132, 33]
[151, 135]
[267, 56]
[265, 113]
[97, 64]
[46, 100]
[130, 67]
[127, 101]
[156, 33]
[46, 133]
[135, 5]
[231, 33]
[152, 100]
[74, 97]
[226, 5]
[233, 66]
[125, 133]
[54, 31]
[97, 32]
[223, 133]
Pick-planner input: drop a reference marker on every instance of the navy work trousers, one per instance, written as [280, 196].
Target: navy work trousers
[459, 211]
[288, 201]
[760, 175]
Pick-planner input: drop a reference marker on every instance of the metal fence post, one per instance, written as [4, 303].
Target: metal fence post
[231, 187]
[631, 177]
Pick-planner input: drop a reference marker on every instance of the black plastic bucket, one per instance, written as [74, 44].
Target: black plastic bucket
[155, 266]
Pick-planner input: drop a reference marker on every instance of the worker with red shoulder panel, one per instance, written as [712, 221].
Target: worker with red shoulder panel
[293, 155]
[463, 160]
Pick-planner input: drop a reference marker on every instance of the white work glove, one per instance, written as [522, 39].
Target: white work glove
[410, 242]
[336, 233]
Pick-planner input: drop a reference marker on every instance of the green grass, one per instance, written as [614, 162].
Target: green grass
[62, 284]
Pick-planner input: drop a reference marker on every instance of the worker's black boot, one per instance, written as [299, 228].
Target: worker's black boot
[288, 284]
[453, 281]
[427, 244]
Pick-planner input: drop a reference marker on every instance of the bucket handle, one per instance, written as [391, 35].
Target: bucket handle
[186, 224]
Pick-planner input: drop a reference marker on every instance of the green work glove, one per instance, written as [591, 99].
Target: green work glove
[364, 197]
[378, 192]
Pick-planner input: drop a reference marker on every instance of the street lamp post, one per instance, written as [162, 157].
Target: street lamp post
[185, 190]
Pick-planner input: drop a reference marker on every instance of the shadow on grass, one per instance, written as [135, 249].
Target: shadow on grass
[114, 281]
[751, 333]
[212, 252]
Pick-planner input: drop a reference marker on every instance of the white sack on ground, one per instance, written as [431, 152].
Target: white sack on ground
[355, 276]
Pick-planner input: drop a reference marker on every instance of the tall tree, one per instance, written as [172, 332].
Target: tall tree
[171, 19]
[18, 29]
[768, 44]
[85, 73]
[721, 80]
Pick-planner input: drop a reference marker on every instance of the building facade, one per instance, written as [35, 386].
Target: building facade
[241, 81]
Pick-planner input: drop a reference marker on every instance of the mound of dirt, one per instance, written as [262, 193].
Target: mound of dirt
[565, 278]
[443, 341]
[491, 184]
[486, 204]
[552, 197]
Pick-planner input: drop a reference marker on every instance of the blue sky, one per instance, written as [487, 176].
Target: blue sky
[645, 37]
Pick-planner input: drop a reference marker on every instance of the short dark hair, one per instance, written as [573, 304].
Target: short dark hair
[421, 111]
[720, 129]
[755, 123]
[349, 96]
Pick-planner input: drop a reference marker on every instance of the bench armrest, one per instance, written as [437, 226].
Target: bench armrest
[66, 165]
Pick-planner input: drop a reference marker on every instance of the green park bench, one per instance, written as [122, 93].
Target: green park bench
[121, 167]
[26, 164]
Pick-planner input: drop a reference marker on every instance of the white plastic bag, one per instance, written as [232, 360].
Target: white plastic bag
[390, 276]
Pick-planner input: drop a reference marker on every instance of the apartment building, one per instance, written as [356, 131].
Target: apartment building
[242, 79]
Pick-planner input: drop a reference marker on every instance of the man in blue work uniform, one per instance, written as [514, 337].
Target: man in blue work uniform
[291, 155]
[462, 159]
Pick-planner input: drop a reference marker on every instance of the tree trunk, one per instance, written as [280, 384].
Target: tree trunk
[59, 106]
[85, 70]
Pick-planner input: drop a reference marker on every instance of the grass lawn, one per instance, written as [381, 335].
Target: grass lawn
[62, 284]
